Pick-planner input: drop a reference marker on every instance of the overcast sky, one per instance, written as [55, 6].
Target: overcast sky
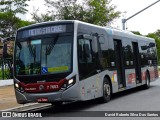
[146, 22]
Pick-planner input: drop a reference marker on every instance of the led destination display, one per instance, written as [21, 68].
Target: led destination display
[42, 31]
[47, 30]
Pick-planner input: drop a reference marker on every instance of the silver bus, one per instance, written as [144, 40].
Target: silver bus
[63, 61]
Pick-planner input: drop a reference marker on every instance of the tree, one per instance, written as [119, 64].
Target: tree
[136, 32]
[98, 12]
[9, 22]
[14, 6]
[42, 17]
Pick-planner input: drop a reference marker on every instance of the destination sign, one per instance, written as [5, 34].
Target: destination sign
[44, 30]
[47, 30]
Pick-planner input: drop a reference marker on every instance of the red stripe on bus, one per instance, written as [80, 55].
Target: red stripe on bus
[42, 87]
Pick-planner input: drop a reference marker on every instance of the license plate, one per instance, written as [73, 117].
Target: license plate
[42, 100]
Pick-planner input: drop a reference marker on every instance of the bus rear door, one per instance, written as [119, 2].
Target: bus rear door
[119, 63]
[137, 62]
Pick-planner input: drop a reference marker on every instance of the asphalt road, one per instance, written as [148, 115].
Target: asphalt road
[133, 100]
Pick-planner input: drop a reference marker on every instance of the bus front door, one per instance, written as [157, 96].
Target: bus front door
[119, 63]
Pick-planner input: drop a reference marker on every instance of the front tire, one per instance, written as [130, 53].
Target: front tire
[106, 91]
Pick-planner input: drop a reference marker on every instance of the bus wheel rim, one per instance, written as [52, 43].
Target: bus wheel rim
[107, 90]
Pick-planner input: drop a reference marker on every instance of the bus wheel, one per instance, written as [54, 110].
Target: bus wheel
[106, 91]
[147, 85]
[59, 103]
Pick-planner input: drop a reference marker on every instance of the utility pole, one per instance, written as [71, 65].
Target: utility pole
[125, 20]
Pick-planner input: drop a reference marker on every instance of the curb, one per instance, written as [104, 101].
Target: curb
[6, 82]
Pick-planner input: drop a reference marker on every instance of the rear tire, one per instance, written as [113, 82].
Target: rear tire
[106, 91]
[147, 85]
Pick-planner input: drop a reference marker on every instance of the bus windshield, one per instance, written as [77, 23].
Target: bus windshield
[44, 56]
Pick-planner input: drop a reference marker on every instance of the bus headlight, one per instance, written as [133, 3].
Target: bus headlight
[70, 81]
[16, 85]
[19, 88]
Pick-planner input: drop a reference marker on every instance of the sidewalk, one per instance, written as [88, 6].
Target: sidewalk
[6, 82]
[7, 97]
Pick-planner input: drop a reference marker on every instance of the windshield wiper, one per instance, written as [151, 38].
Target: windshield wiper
[51, 45]
[30, 49]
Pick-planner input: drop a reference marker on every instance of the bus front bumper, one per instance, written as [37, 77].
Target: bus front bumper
[49, 97]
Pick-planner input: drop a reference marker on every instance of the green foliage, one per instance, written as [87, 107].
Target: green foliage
[9, 22]
[42, 17]
[136, 32]
[6, 73]
[23, 23]
[14, 6]
[98, 12]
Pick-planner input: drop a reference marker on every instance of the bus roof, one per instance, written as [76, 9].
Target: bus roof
[127, 34]
[120, 33]
[109, 30]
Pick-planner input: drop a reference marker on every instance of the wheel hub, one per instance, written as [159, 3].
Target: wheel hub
[107, 89]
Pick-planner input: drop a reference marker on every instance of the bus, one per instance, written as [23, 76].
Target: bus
[70, 60]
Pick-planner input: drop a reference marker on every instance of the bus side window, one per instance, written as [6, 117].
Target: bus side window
[85, 54]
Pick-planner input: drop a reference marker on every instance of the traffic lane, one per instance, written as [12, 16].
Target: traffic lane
[137, 99]
[132, 100]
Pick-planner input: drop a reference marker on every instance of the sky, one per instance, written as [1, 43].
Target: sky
[146, 22]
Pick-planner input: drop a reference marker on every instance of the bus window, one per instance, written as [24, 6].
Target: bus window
[128, 53]
[143, 46]
[85, 54]
[87, 64]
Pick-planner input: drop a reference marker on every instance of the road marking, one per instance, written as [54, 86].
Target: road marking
[29, 106]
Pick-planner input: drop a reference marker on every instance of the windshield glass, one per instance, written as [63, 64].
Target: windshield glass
[44, 56]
